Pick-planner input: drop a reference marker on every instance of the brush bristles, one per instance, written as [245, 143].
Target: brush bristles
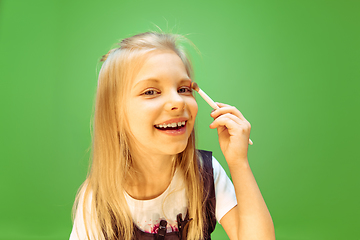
[195, 86]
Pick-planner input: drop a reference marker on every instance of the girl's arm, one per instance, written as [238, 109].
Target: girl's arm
[250, 219]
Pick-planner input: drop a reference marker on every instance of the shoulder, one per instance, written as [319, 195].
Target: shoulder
[206, 158]
[224, 190]
[210, 162]
[217, 168]
[82, 215]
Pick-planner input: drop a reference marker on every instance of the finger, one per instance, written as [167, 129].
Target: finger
[227, 120]
[222, 104]
[227, 123]
[222, 121]
[229, 116]
[227, 109]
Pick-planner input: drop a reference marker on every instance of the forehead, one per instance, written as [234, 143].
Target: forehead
[161, 65]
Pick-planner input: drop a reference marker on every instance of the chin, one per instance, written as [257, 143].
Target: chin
[176, 149]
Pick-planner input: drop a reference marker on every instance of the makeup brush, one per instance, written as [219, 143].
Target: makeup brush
[208, 99]
[204, 95]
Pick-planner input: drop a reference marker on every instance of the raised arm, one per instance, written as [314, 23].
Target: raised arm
[250, 219]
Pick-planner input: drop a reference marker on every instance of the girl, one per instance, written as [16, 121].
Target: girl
[147, 180]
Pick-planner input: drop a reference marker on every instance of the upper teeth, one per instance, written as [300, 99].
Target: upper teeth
[179, 124]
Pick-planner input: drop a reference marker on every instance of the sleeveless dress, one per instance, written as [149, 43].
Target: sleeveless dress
[210, 223]
[219, 196]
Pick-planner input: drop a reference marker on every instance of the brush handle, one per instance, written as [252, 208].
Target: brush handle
[208, 99]
[213, 104]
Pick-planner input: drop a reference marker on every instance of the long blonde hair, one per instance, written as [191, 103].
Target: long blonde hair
[102, 194]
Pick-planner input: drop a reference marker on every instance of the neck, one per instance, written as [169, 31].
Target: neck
[150, 176]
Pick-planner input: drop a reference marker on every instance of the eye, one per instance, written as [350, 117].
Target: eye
[185, 90]
[150, 92]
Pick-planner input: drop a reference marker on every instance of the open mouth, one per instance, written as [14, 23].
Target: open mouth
[171, 126]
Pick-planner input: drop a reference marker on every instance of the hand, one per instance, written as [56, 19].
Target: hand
[234, 132]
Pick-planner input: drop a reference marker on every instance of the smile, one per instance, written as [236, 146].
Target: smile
[170, 126]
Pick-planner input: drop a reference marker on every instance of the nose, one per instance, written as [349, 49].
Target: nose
[175, 102]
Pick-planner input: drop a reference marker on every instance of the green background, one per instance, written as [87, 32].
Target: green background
[291, 67]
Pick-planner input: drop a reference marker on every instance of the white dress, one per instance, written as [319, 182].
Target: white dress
[147, 214]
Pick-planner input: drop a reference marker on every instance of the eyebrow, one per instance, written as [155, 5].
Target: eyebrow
[186, 80]
[141, 82]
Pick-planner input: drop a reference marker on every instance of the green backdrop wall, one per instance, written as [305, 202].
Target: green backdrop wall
[291, 67]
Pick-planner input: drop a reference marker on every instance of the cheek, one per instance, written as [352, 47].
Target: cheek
[142, 113]
[193, 107]
[133, 115]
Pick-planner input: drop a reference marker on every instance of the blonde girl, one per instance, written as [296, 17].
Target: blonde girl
[147, 180]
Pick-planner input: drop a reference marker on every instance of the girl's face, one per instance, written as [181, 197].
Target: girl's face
[161, 109]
